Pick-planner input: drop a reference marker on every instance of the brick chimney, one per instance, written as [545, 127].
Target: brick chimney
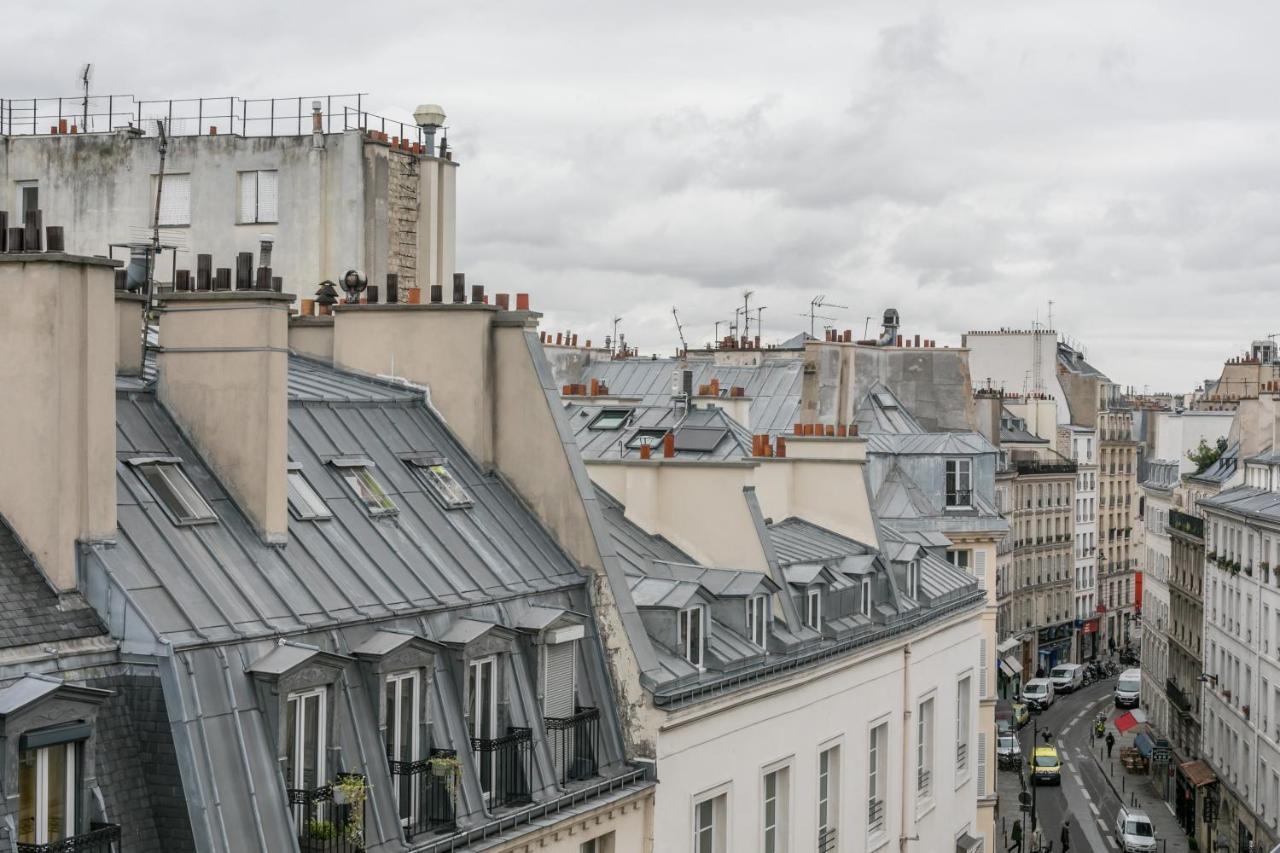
[223, 374]
[57, 360]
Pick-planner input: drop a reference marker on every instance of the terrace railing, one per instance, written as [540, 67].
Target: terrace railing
[101, 838]
[575, 744]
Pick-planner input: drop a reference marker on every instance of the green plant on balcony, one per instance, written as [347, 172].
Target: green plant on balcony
[449, 768]
[353, 790]
[321, 830]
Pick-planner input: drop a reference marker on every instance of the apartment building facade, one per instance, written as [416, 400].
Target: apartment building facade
[1119, 576]
[1242, 663]
[1157, 490]
[1080, 445]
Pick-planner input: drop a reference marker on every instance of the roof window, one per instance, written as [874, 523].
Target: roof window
[439, 480]
[610, 419]
[358, 475]
[304, 503]
[651, 437]
[699, 439]
[174, 491]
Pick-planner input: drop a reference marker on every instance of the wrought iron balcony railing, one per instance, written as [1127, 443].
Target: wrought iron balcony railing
[506, 766]
[426, 791]
[101, 838]
[323, 824]
[575, 744]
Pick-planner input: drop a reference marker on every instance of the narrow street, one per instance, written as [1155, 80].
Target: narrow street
[1085, 797]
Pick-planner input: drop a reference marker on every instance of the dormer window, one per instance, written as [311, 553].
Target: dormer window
[610, 419]
[864, 601]
[651, 437]
[304, 503]
[358, 475]
[913, 579]
[757, 620]
[48, 791]
[813, 608]
[174, 491]
[959, 483]
[692, 635]
[440, 482]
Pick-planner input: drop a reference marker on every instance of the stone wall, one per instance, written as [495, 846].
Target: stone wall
[402, 215]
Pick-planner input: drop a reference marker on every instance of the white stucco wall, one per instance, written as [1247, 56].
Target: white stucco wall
[1007, 360]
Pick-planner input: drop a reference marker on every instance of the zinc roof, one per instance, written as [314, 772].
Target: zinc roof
[612, 443]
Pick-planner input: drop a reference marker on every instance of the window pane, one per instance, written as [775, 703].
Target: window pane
[175, 200]
[172, 488]
[695, 636]
[60, 808]
[291, 738]
[303, 500]
[27, 796]
[311, 742]
[407, 691]
[440, 480]
[368, 490]
[268, 196]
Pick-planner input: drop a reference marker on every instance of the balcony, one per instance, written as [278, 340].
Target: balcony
[425, 791]
[1035, 466]
[959, 499]
[575, 745]
[325, 823]
[101, 838]
[506, 765]
[1186, 524]
[1177, 697]
[827, 840]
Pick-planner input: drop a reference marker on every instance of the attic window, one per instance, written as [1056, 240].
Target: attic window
[439, 480]
[304, 503]
[886, 400]
[757, 619]
[699, 439]
[913, 579]
[610, 419]
[864, 604]
[813, 609]
[651, 437]
[692, 635]
[174, 491]
[359, 477]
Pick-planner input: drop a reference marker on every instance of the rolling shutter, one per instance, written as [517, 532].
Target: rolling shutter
[558, 684]
[248, 197]
[982, 763]
[175, 200]
[980, 567]
[982, 668]
[268, 197]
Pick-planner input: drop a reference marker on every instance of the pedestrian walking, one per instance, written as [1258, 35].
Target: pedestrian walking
[1111, 742]
[1015, 838]
[1066, 836]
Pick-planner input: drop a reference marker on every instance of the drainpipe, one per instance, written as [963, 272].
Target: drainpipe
[904, 838]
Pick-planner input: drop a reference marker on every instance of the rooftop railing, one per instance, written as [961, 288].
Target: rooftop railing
[227, 115]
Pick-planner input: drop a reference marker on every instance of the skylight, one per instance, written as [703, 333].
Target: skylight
[359, 477]
[651, 437]
[610, 419]
[175, 493]
[886, 400]
[304, 503]
[699, 439]
[440, 481]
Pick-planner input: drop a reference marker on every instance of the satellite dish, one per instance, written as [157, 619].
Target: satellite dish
[353, 283]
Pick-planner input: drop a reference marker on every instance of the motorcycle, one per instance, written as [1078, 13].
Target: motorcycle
[1100, 725]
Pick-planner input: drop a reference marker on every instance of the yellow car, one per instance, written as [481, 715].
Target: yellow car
[1021, 714]
[1046, 767]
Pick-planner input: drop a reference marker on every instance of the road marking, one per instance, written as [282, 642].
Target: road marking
[1111, 840]
[1093, 807]
[1102, 825]
[1085, 791]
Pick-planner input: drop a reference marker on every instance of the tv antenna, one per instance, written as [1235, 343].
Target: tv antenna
[85, 75]
[684, 347]
[154, 255]
[613, 346]
[814, 304]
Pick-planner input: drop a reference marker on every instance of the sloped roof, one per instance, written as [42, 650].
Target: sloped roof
[773, 386]
[880, 412]
[612, 443]
[1250, 501]
[1162, 474]
[30, 611]
[220, 581]
[797, 540]
[1223, 469]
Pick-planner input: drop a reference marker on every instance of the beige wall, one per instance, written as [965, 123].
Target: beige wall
[223, 374]
[57, 357]
[129, 310]
[630, 821]
[312, 336]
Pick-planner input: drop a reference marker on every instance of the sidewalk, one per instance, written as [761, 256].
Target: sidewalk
[1136, 791]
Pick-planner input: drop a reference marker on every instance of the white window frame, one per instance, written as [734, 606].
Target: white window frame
[877, 772]
[412, 680]
[964, 719]
[961, 558]
[695, 655]
[926, 720]
[864, 596]
[913, 579]
[258, 217]
[481, 714]
[716, 831]
[359, 479]
[169, 217]
[775, 836]
[958, 471]
[827, 817]
[813, 608]
[437, 477]
[758, 620]
[71, 794]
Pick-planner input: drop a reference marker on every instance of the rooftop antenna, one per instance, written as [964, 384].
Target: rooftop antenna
[163, 146]
[684, 347]
[866, 327]
[816, 303]
[616, 321]
[760, 322]
[85, 75]
[1050, 313]
[746, 314]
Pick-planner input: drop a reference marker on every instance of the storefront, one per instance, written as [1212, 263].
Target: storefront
[1195, 785]
[1054, 646]
[1087, 647]
[1009, 668]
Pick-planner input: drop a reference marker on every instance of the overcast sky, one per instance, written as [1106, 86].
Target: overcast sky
[962, 162]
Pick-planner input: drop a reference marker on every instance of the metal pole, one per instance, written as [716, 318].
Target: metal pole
[272, 126]
[111, 124]
[199, 116]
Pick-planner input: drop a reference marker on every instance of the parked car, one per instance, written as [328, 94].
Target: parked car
[1038, 692]
[1127, 687]
[1008, 752]
[1066, 677]
[1046, 766]
[1021, 714]
[1004, 716]
[1134, 831]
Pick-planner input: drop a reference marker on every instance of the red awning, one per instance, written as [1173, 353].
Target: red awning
[1124, 722]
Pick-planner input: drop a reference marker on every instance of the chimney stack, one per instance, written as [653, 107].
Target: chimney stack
[223, 373]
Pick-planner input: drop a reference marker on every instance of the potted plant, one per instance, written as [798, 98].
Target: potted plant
[318, 836]
[352, 790]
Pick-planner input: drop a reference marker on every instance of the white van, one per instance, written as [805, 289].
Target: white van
[1038, 692]
[1134, 831]
[1127, 688]
[1066, 677]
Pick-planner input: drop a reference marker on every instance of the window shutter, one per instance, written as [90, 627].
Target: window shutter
[980, 568]
[558, 686]
[175, 200]
[268, 196]
[248, 197]
[982, 763]
[982, 668]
